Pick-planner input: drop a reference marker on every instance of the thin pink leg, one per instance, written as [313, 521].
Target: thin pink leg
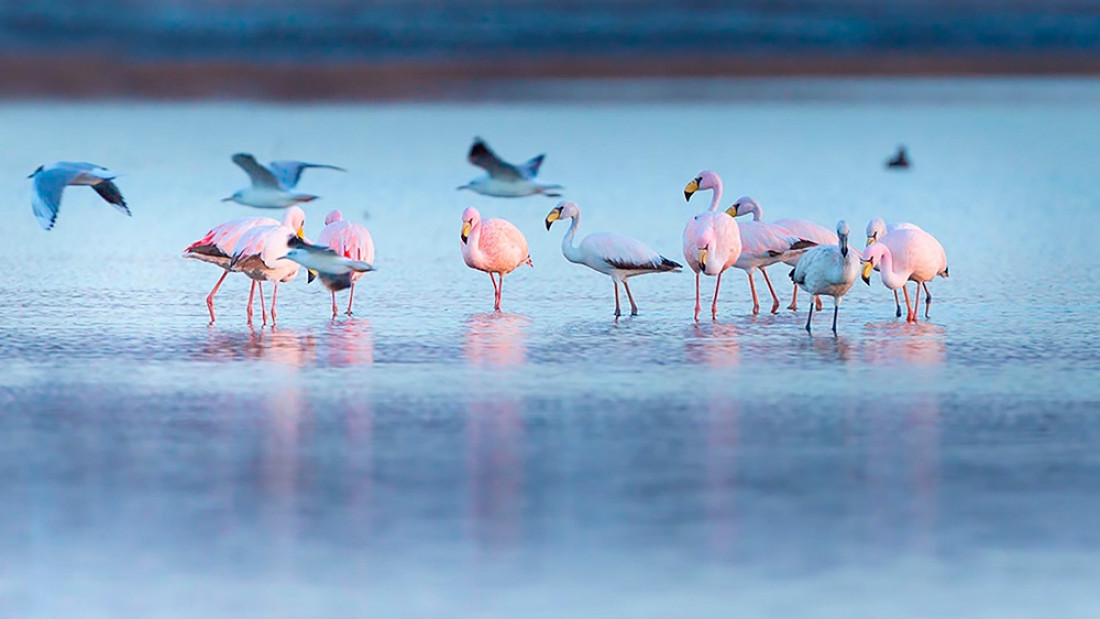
[755, 300]
[251, 295]
[334, 309]
[500, 291]
[697, 308]
[908, 310]
[273, 296]
[617, 312]
[775, 299]
[351, 295]
[714, 303]
[210, 297]
[794, 300]
[263, 308]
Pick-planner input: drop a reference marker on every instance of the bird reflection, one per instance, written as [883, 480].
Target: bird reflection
[348, 342]
[713, 345]
[496, 340]
[281, 471]
[908, 344]
[494, 467]
[722, 438]
[276, 345]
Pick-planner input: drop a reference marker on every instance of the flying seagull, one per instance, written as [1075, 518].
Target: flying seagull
[272, 185]
[323, 260]
[50, 182]
[505, 180]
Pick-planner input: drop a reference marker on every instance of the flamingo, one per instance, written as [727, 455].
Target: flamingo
[272, 184]
[906, 255]
[350, 240]
[615, 255]
[762, 245]
[260, 254]
[828, 269]
[711, 240]
[216, 247]
[877, 229]
[494, 246]
[50, 182]
[802, 228]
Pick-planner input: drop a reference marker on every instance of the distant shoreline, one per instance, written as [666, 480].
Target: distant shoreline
[94, 78]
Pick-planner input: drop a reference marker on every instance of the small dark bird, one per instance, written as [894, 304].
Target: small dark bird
[900, 160]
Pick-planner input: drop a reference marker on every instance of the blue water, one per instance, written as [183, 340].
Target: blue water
[430, 458]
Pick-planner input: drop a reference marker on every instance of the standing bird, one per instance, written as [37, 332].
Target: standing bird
[907, 255]
[711, 242]
[50, 182]
[216, 247]
[349, 240]
[762, 245]
[802, 228]
[272, 185]
[615, 255]
[493, 246]
[506, 180]
[877, 230]
[261, 252]
[828, 269]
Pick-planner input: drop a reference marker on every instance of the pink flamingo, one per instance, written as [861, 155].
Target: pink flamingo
[903, 256]
[260, 251]
[493, 246]
[712, 241]
[350, 240]
[216, 247]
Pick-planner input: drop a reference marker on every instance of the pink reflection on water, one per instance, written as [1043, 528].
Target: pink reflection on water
[714, 345]
[496, 340]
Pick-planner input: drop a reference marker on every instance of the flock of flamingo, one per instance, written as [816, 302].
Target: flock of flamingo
[270, 251]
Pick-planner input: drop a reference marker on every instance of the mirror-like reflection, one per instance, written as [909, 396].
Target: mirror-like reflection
[919, 343]
[348, 342]
[496, 340]
[713, 344]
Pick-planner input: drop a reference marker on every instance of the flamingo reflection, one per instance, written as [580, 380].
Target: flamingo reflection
[348, 342]
[714, 345]
[496, 340]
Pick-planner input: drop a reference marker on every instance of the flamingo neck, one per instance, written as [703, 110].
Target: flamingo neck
[892, 279]
[474, 240]
[717, 199]
[570, 251]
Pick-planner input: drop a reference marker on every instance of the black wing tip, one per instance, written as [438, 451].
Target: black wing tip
[803, 244]
[670, 264]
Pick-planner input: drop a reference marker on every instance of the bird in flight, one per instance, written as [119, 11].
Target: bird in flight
[51, 180]
[273, 184]
[506, 180]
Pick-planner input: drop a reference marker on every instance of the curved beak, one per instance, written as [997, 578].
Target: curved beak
[310, 276]
[466, 230]
[552, 216]
[301, 232]
[732, 211]
[870, 241]
[866, 274]
[690, 189]
[703, 259]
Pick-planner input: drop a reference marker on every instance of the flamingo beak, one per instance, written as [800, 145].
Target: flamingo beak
[465, 230]
[703, 259]
[870, 241]
[552, 217]
[866, 275]
[310, 276]
[301, 232]
[732, 211]
[690, 189]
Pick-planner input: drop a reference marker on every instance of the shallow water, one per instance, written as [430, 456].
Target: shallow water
[430, 458]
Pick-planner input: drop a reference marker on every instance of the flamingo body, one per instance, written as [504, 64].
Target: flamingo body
[350, 240]
[494, 246]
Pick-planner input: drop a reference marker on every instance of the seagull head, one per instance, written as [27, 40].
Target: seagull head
[35, 173]
[236, 197]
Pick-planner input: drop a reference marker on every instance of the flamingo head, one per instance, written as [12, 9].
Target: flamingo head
[743, 206]
[876, 229]
[872, 256]
[470, 218]
[334, 216]
[295, 219]
[564, 210]
[842, 236]
[707, 179]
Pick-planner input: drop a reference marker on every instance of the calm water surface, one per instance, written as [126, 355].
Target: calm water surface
[429, 458]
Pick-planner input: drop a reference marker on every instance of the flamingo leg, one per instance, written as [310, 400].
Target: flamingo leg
[697, 296]
[273, 296]
[251, 295]
[794, 300]
[897, 304]
[836, 310]
[263, 308]
[817, 302]
[617, 311]
[714, 303]
[755, 300]
[908, 311]
[775, 299]
[633, 305]
[500, 290]
[927, 300]
[210, 297]
[351, 295]
[334, 308]
[809, 317]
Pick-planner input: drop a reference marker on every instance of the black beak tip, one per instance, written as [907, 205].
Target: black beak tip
[548, 223]
[687, 196]
[866, 280]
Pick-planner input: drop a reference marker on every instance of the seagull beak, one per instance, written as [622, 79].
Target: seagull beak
[465, 230]
[866, 275]
[703, 259]
[691, 188]
[229, 199]
[552, 217]
[732, 211]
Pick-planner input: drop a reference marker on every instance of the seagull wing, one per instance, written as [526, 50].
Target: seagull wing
[109, 192]
[261, 176]
[49, 184]
[288, 173]
[487, 160]
[531, 169]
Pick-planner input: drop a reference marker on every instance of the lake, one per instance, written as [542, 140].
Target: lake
[430, 458]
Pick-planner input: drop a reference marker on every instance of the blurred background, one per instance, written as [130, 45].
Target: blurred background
[375, 49]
